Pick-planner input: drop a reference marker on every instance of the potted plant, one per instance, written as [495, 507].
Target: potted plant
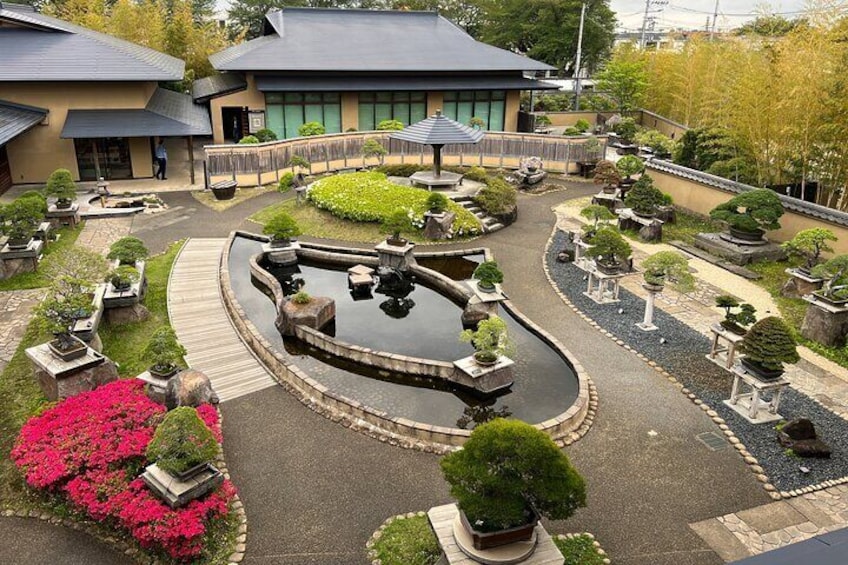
[490, 340]
[300, 163]
[542, 122]
[477, 123]
[488, 274]
[582, 125]
[644, 198]
[629, 165]
[60, 185]
[610, 250]
[128, 250]
[19, 221]
[122, 278]
[607, 175]
[750, 214]
[437, 203]
[58, 313]
[735, 321]
[373, 148]
[667, 268]
[301, 298]
[506, 475]
[395, 224]
[164, 353]
[182, 444]
[809, 244]
[626, 129]
[311, 128]
[281, 228]
[834, 272]
[767, 346]
[265, 135]
[599, 216]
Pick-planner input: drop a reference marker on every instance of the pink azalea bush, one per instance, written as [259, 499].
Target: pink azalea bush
[90, 448]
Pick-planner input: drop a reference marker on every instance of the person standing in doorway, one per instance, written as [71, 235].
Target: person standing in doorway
[161, 159]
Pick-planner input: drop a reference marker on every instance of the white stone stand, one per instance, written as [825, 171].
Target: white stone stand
[603, 288]
[486, 379]
[751, 405]
[647, 324]
[398, 257]
[449, 532]
[59, 217]
[723, 355]
[581, 260]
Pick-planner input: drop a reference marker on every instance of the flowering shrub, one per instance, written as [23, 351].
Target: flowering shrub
[90, 448]
[370, 197]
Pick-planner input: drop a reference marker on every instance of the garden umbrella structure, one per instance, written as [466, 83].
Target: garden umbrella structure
[438, 131]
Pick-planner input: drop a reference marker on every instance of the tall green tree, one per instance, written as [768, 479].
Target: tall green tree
[624, 79]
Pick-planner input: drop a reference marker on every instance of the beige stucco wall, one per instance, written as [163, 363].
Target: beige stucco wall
[662, 125]
[435, 101]
[38, 152]
[570, 118]
[701, 199]
[350, 110]
[251, 98]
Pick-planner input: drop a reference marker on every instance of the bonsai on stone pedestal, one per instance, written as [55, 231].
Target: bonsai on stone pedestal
[834, 272]
[281, 228]
[750, 214]
[488, 274]
[128, 250]
[372, 148]
[600, 216]
[607, 175]
[395, 224]
[122, 278]
[19, 221]
[506, 475]
[661, 269]
[164, 352]
[60, 185]
[809, 244]
[59, 313]
[767, 346]
[490, 340]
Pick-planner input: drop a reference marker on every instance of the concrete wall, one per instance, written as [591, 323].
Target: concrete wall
[38, 152]
[565, 119]
[663, 125]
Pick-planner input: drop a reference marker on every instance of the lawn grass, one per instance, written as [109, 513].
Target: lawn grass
[322, 224]
[687, 226]
[579, 550]
[125, 343]
[67, 238]
[207, 198]
[407, 541]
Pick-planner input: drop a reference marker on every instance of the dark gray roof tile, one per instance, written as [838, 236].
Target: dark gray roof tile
[15, 119]
[217, 85]
[349, 83]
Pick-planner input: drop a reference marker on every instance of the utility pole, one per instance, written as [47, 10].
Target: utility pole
[660, 4]
[579, 59]
[644, 24]
[715, 17]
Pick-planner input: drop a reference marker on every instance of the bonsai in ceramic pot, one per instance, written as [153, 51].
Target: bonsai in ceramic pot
[60, 185]
[488, 274]
[437, 203]
[735, 321]
[122, 278]
[127, 251]
[490, 340]
[281, 228]
[767, 346]
[599, 216]
[19, 221]
[628, 166]
[593, 147]
[607, 175]
[834, 272]
[644, 198]
[668, 268]
[58, 314]
[610, 250]
[164, 353]
[505, 476]
[182, 444]
[750, 214]
[809, 244]
[395, 224]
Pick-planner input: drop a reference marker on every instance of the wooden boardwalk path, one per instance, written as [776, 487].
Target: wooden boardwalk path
[203, 326]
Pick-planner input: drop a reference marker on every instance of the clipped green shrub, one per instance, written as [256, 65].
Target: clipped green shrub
[265, 135]
[582, 125]
[127, 250]
[644, 198]
[405, 170]
[572, 131]
[163, 350]
[437, 202]
[769, 343]
[60, 185]
[282, 227]
[249, 140]
[181, 441]
[371, 197]
[497, 197]
[397, 223]
[751, 211]
[390, 125]
[301, 297]
[477, 174]
[311, 128]
[286, 181]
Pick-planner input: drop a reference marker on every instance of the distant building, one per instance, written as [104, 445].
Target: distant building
[655, 40]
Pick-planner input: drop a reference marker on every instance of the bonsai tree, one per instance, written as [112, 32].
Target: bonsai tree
[396, 223]
[668, 268]
[542, 120]
[598, 215]
[265, 135]
[507, 470]
[644, 198]
[249, 140]
[751, 213]
[767, 346]
[181, 442]
[477, 123]
[390, 125]
[661, 145]
[572, 131]
[281, 228]
[19, 221]
[74, 271]
[735, 321]
[36, 200]
[835, 274]
[609, 247]
[582, 125]
[488, 274]
[626, 129]
[437, 202]
[127, 250]
[606, 174]
[809, 244]
[311, 128]
[58, 313]
[592, 146]
[630, 165]
[164, 352]
[373, 148]
[490, 340]
[300, 163]
[301, 297]
[60, 185]
[123, 277]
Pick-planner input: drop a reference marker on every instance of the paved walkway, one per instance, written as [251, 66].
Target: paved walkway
[15, 310]
[203, 327]
[99, 234]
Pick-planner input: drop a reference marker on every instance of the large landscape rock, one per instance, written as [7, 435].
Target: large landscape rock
[438, 226]
[189, 388]
[127, 315]
[799, 435]
[320, 311]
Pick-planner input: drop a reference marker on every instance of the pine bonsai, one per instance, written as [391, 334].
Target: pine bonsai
[249, 140]
[281, 227]
[630, 165]
[609, 246]
[644, 198]
[373, 148]
[164, 351]
[490, 339]
[809, 244]
[582, 125]
[508, 468]
[668, 268]
[437, 202]
[599, 216]
[123, 277]
[606, 174]
[58, 314]
[127, 250]
[488, 274]
[181, 442]
[735, 321]
[396, 223]
[19, 219]
[60, 185]
[752, 212]
[835, 274]
[769, 344]
[299, 162]
[626, 129]
[592, 146]
[390, 125]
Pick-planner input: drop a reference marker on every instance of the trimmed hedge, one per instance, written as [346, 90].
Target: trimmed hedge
[370, 197]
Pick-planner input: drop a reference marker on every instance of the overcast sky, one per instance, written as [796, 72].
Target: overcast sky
[694, 13]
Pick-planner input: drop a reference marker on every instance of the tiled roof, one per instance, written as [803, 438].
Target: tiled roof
[217, 85]
[15, 119]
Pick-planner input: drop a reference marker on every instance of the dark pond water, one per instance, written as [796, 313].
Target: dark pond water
[413, 320]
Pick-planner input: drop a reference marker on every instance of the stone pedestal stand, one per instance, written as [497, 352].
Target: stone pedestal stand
[59, 217]
[156, 387]
[647, 324]
[458, 550]
[282, 255]
[581, 259]
[485, 379]
[62, 379]
[751, 405]
[603, 288]
[799, 284]
[737, 251]
[481, 305]
[177, 492]
[16, 261]
[650, 229]
[825, 323]
[398, 257]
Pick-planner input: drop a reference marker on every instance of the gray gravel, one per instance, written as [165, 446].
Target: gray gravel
[684, 355]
